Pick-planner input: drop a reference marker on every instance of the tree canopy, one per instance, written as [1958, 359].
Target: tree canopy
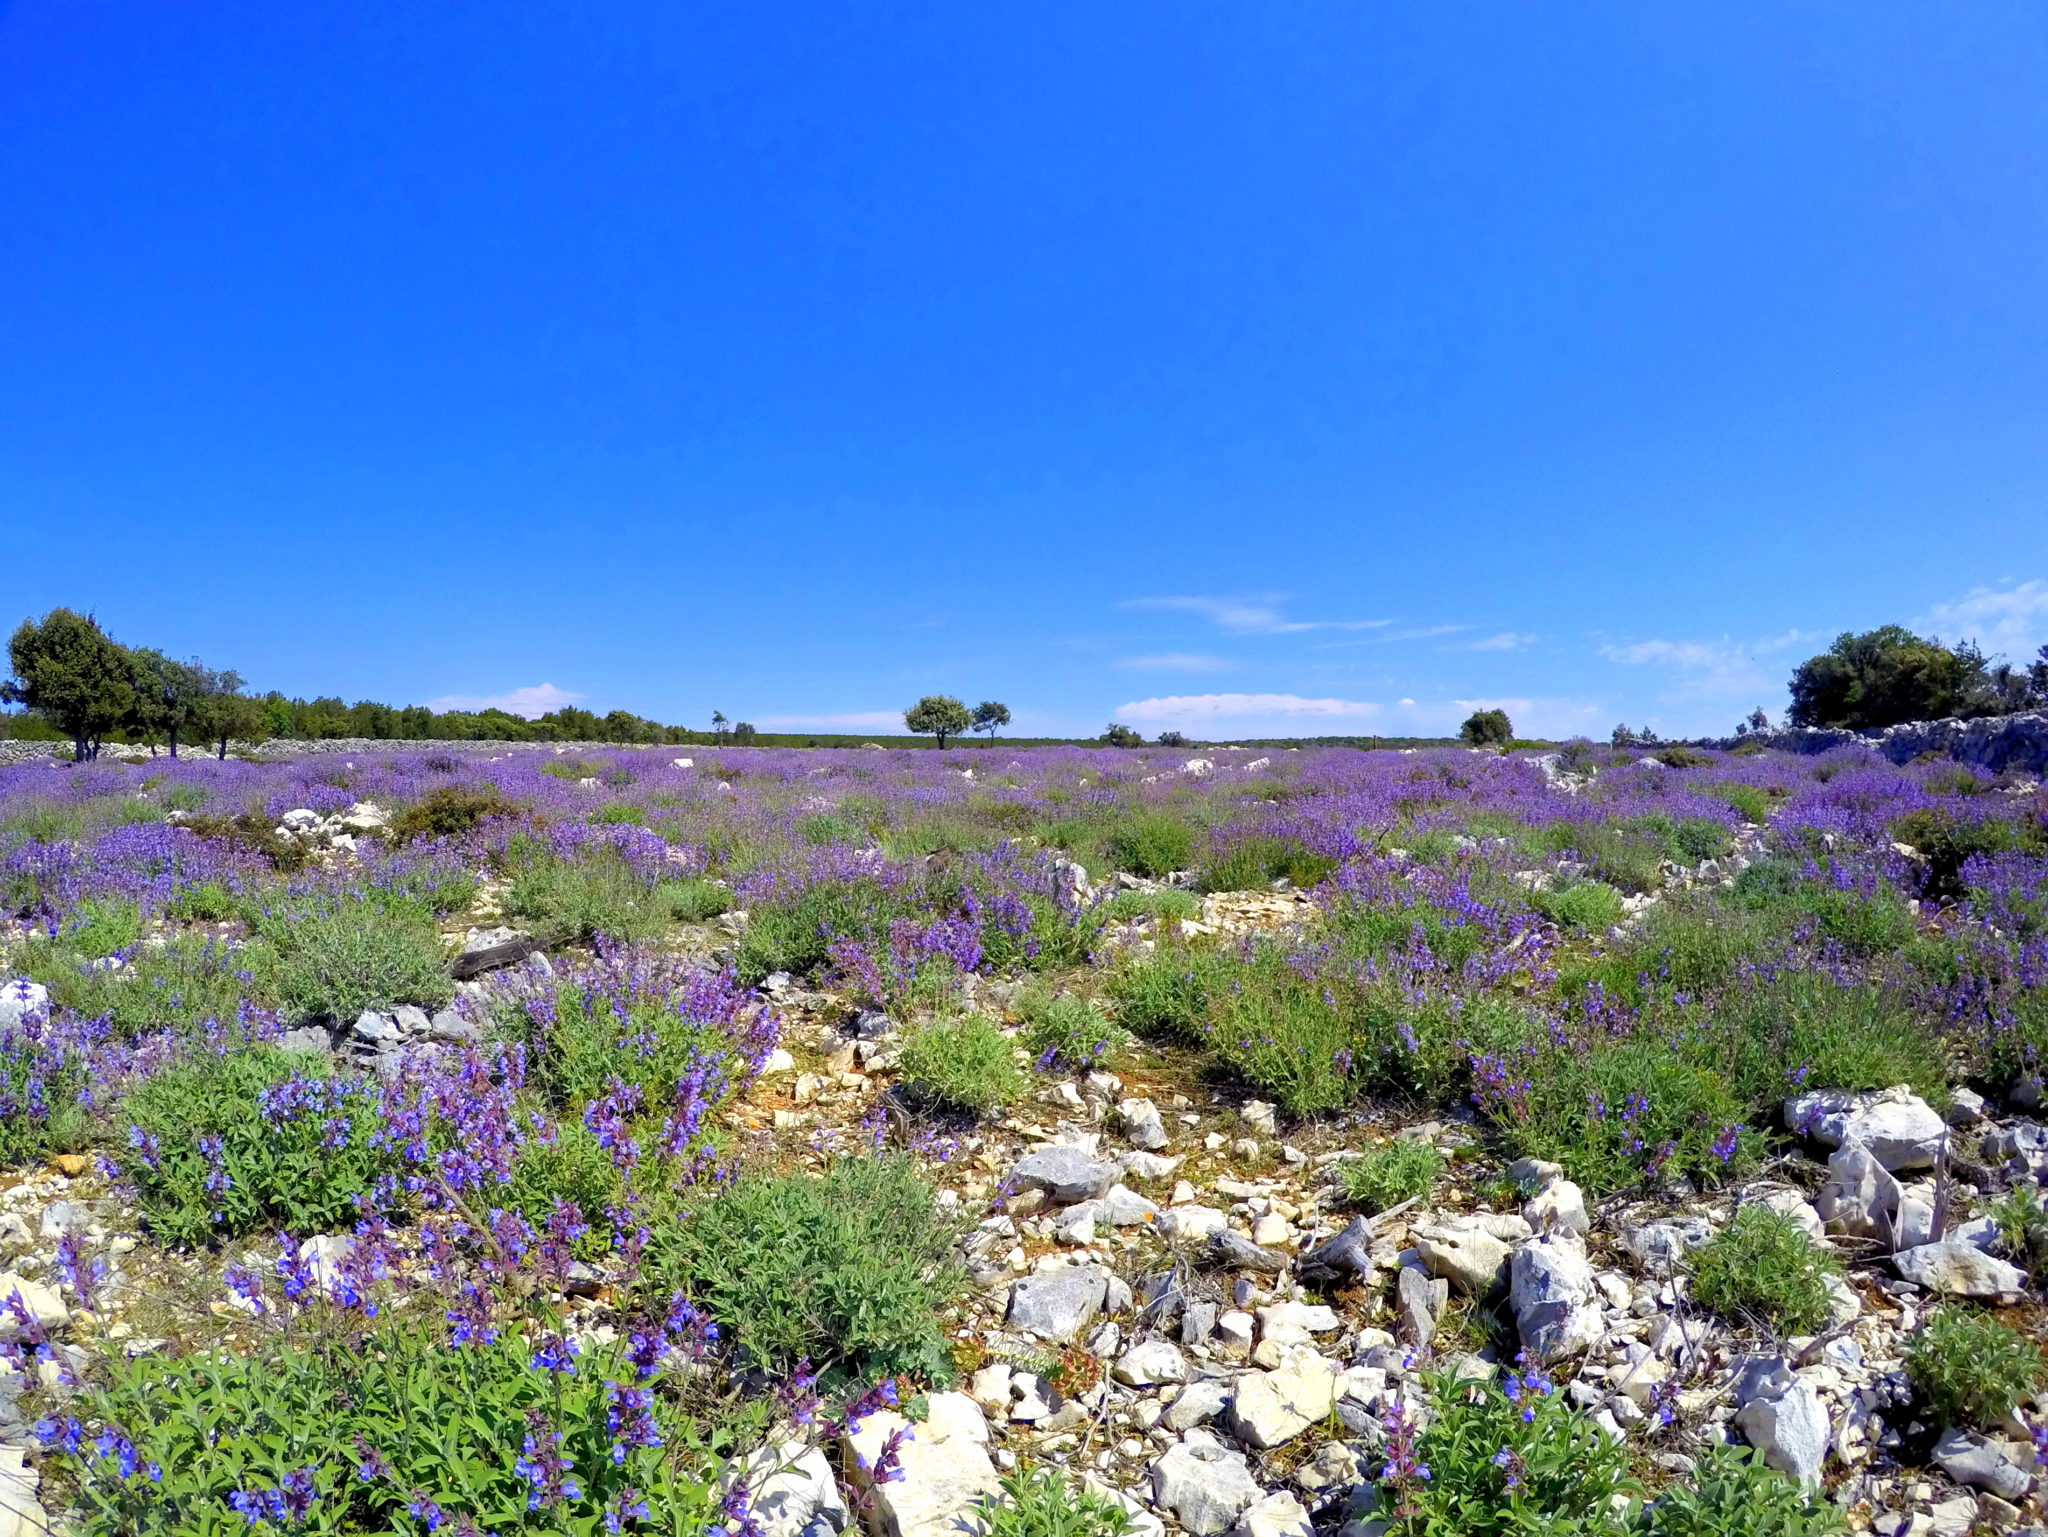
[1487, 728]
[1887, 676]
[939, 715]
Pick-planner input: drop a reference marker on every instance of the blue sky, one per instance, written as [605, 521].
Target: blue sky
[1242, 367]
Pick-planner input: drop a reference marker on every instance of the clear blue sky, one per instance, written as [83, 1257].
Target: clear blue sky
[1244, 367]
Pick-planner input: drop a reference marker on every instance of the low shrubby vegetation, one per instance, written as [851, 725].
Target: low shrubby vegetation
[725, 1160]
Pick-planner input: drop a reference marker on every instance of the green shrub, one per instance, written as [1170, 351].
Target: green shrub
[963, 1062]
[618, 814]
[1680, 757]
[333, 960]
[447, 811]
[847, 1271]
[251, 1140]
[1070, 1031]
[795, 935]
[1731, 1493]
[1762, 1265]
[1152, 843]
[177, 985]
[1164, 995]
[449, 1427]
[1506, 1460]
[1254, 863]
[1387, 1176]
[825, 828]
[1752, 802]
[1615, 1114]
[1043, 1504]
[2022, 1218]
[568, 901]
[1127, 905]
[1948, 840]
[693, 901]
[1583, 905]
[1971, 1368]
[101, 927]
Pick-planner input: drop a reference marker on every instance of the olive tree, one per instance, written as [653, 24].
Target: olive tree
[939, 715]
[988, 715]
[1487, 728]
[70, 671]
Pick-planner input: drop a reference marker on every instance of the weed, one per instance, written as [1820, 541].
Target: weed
[1731, 1493]
[1387, 1176]
[964, 1062]
[1970, 1368]
[1152, 843]
[2022, 1218]
[1583, 905]
[1041, 1503]
[1069, 1031]
[1764, 1266]
[847, 1271]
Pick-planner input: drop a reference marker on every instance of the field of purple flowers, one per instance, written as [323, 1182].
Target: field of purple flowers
[595, 1142]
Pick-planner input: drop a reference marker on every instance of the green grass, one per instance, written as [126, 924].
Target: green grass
[1763, 1266]
[1070, 1031]
[335, 959]
[1387, 1176]
[963, 1063]
[1152, 843]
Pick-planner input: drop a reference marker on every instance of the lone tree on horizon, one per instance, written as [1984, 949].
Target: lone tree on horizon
[1487, 728]
[939, 715]
[988, 715]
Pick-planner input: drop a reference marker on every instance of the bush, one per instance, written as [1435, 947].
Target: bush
[448, 811]
[1970, 1368]
[2022, 1219]
[847, 1271]
[1764, 1266]
[1163, 996]
[335, 960]
[964, 1062]
[1387, 1176]
[1584, 905]
[825, 829]
[1487, 728]
[1949, 841]
[1069, 1031]
[252, 1140]
[1043, 1504]
[444, 1430]
[1252, 864]
[1731, 1493]
[1503, 1460]
[796, 934]
[179, 984]
[1152, 843]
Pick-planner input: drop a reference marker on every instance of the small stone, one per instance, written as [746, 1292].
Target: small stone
[1197, 1403]
[1981, 1463]
[944, 1468]
[1142, 1124]
[1234, 1331]
[1065, 1174]
[71, 1165]
[1150, 1363]
[1466, 1252]
[1659, 1246]
[1559, 1207]
[1277, 1515]
[1554, 1297]
[43, 1304]
[1273, 1407]
[991, 1388]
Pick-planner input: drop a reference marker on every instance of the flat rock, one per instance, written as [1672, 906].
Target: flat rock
[1198, 1403]
[1982, 1463]
[945, 1469]
[1204, 1484]
[1065, 1174]
[1958, 1269]
[1469, 1252]
[21, 1514]
[1659, 1246]
[1058, 1304]
[1901, 1129]
[794, 1492]
[1277, 1515]
[1271, 1408]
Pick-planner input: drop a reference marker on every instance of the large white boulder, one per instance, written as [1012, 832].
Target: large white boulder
[1205, 1484]
[1955, 1268]
[1900, 1128]
[1271, 1408]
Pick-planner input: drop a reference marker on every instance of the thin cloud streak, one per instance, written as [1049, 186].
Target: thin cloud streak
[1249, 616]
[1177, 661]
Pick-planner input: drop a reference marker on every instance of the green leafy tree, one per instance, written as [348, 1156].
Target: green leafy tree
[1487, 728]
[988, 715]
[1886, 676]
[719, 725]
[67, 668]
[939, 715]
[743, 733]
[228, 715]
[172, 697]
[1118, 735]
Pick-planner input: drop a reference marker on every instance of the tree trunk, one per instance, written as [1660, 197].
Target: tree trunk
[78, 750]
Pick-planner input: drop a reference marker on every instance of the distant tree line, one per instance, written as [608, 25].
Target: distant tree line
[79, 684]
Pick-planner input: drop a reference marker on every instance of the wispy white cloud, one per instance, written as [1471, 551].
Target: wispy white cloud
[531, 702]
[1507, 640]
[1389, 637]
[1714, 669]
[857, 719]
[1300, 715]
[1249, 616]
[1177, 661]
[2010, 621]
